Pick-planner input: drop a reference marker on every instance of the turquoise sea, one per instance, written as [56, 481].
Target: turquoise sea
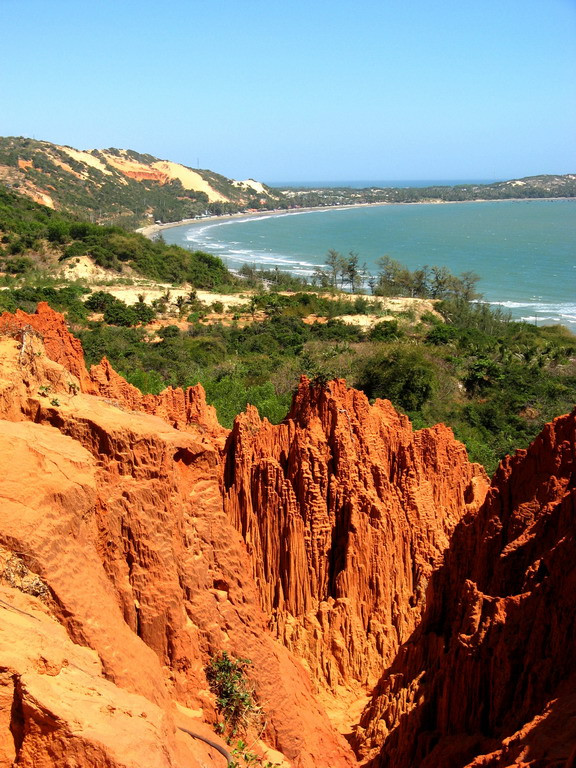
[524, 251]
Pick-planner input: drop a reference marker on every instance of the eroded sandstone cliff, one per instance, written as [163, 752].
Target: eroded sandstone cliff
[349, 557]
[345, 511]
[489, 677]
[119, 517]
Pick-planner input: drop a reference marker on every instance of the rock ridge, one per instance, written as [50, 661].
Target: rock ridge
[486, 678]
[345, 512]
[360, 565]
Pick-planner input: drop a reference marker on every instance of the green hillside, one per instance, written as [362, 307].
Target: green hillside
[97, 184]
[34, 237]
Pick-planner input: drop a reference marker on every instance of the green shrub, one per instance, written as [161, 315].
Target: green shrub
[19, 265]
[100, 301]
[234, 696]
[400, 374]
[120, 314]
[441, 334]
[143, 312]
[385, 331]
[337, 330]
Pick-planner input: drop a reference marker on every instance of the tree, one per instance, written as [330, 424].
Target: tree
[353, 272]
[321, 278]
[120, 314]
[388, 276]
[334, 263]
[440, 283]
[402, 374]
[421, 282]
[468, 281]
[372, 283]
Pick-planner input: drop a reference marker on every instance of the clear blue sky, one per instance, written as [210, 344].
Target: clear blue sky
[293, 90]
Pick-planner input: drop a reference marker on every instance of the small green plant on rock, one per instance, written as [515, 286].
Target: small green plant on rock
[248, 758]
[234, 696]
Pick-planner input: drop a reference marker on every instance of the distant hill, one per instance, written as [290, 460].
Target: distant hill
[545, 186]
[120, 185]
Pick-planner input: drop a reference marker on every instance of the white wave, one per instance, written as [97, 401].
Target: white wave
[268, 260]
[204, 227]
[512, 304]
[538, 306]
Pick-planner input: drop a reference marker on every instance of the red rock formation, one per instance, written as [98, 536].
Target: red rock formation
[180, 408]
[134, 544]
[345, 511]
[60, 345]
[146, 175]
[489, 678]
[118, 516]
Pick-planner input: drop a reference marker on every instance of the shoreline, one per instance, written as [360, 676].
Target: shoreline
[149, 230]
[152, 229]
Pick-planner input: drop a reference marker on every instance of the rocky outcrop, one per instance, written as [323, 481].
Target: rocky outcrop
[58, 343]
[489, 678]
[345, 511]
[180, 408]
[117, 518]
[340, 551]
[58, 709]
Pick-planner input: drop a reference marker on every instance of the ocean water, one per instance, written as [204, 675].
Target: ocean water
[524, 251]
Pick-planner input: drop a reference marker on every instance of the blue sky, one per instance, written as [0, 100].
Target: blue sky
[292, 90]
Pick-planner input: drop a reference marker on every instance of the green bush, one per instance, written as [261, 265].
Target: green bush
[441, 334]
[100, 301]
[337, 330]
[385, 331]
[119, 313]
[19, 265]
[400, 374]
[234, 696]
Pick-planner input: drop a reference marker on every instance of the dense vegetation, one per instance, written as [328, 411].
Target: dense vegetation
[496, 382]
[32, 235]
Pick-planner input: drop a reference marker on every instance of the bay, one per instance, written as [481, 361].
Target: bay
[524, 251]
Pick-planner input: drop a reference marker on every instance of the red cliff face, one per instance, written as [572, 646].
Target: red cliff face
[182, 409]
[338, 551]
[345, 512]
[60, 345]
[489, 678]
[115, 518]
